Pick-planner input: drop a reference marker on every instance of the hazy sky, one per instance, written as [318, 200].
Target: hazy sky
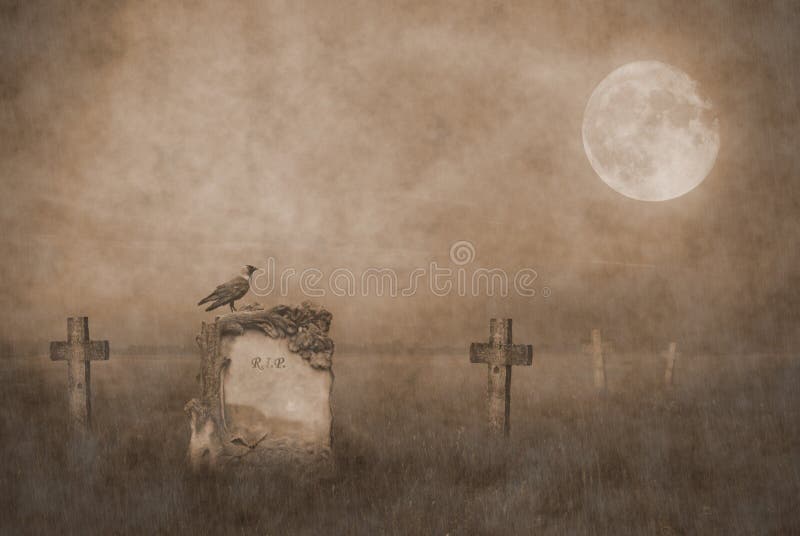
[149, 149]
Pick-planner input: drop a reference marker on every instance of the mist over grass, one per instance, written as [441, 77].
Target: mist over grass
[717, 455]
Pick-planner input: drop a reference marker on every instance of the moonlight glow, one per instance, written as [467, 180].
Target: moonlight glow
[648, 133]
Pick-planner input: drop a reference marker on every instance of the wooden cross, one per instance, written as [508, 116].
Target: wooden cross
[670, 356]
[597, 348]
[78, 351]
[500, 354]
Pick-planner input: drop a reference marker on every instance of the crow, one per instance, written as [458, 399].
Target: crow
[229, 292]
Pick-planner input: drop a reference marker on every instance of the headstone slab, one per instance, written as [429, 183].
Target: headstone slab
[266, 384]
[273, 397]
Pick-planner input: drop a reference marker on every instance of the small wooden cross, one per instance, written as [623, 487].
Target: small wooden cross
[597, 348]
[500, 354]
[78, 351]
[670, 356]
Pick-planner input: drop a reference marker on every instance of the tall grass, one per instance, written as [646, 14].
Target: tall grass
[719, 454]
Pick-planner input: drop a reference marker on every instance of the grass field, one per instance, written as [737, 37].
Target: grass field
[720, 454]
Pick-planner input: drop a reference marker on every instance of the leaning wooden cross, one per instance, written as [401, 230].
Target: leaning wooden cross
[597, 348]
[500, 354]
[78, 351]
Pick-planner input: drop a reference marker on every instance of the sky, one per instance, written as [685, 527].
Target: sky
[148, 150]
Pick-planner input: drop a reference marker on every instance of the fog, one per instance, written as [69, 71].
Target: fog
[149, 149]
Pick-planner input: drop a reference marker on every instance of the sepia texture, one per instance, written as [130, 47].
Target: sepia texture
[413, 170]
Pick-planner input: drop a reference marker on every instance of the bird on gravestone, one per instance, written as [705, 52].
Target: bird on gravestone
[228, 293]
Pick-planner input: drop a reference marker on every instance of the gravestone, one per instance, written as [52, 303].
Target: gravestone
[670, 356]
[266, 385]
[597, 349]
[79, 351]
[500, 354]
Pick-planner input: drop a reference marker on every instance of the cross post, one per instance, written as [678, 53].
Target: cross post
[79, 351]
[500, 354]
[597, 348]
[670, 356]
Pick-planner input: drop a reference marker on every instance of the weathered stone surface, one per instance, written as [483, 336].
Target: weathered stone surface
[266, 383]
[271, 392]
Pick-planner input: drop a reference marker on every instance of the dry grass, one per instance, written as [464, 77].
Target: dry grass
[719, 455]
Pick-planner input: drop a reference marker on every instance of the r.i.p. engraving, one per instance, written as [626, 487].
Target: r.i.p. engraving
[263, 363]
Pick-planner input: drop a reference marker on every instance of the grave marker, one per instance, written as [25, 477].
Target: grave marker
[500, 354]
[597, 348]
[670, 356]
[266, 382]
[79, 351]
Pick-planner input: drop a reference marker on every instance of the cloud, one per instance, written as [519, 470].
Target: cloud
[150, 148]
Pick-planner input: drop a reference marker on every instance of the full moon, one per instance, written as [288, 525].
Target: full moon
[648, 133]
